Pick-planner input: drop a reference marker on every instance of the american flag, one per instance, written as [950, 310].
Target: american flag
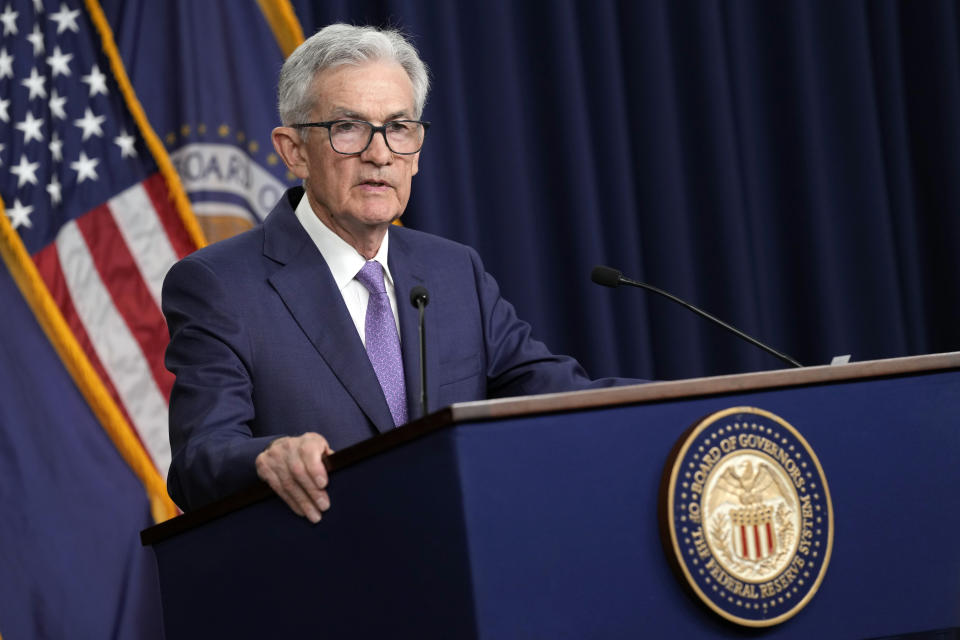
[83, 190]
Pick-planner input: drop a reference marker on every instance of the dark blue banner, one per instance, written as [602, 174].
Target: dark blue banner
[71, 564]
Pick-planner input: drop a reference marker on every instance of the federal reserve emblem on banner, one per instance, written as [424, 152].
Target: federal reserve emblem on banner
[748, 516]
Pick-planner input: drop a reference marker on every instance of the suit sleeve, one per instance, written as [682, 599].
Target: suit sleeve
[211, 404]
[517, 363]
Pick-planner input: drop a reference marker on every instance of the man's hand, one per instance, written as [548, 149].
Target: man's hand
[293, 467]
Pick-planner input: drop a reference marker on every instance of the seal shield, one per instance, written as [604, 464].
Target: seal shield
[748, 516]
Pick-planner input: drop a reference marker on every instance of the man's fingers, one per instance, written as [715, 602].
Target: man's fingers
[293, 467]
[311, 455]
[268, 475]
[323, 501]
[307, 483]
[294, 494]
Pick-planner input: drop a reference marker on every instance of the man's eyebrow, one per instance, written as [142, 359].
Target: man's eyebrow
[343, 112]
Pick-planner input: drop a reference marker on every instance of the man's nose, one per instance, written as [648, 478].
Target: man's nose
[377, 151]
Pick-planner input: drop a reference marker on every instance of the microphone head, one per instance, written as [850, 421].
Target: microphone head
[418, 296]
[607, 276]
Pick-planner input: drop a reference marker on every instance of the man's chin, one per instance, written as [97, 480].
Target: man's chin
[375, 212]
[376, 219]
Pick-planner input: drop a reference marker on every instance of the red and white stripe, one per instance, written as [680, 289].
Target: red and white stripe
[105, 271]
[754, 542]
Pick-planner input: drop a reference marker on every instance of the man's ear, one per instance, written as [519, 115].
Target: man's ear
[286, 140]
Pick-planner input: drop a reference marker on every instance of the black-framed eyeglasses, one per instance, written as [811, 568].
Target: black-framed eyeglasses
[350, 137]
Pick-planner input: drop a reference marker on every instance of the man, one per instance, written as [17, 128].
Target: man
[297, 336]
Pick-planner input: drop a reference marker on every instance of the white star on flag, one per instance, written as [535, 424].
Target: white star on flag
[36, 39]
[19, 214]
[125, 141]
[9, 20]
[6, 64]
[59, 62]
[26, 171]
[3, 110]
[57, 103]
[90, 124]
[54, 190]
[30, 127]
[56, 147]
[66, 19]
[85, 167]
[35, 84]
[96, 80]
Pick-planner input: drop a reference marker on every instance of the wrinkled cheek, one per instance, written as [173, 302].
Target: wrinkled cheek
[402, 198]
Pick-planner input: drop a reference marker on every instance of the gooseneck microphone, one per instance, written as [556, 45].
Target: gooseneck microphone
[419, 299]
[610, 277]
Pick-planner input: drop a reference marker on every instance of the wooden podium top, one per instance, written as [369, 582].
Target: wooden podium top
[574, 401]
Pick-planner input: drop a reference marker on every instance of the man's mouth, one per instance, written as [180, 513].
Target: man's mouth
[374, 183]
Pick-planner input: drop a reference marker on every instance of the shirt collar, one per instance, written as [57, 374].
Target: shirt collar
[343, 260]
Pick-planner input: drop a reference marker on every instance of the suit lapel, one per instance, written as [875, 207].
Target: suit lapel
[308, 290]
[408, 272]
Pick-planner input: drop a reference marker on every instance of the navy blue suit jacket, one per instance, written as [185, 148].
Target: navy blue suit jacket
[262, 345]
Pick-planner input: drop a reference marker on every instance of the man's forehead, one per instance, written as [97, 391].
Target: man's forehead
[376, 89]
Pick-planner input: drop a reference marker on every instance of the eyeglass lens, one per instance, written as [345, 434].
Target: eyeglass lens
[352, 136]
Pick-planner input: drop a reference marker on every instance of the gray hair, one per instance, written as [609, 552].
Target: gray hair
[339, 44]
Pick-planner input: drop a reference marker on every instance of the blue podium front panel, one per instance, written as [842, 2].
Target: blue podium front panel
[562, 514]
[388, 560]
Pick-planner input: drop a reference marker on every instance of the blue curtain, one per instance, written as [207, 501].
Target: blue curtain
[791, 167]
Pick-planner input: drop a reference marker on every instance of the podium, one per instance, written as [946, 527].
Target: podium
[537, 517]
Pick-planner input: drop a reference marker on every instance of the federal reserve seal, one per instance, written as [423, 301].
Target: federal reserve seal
[748, 517]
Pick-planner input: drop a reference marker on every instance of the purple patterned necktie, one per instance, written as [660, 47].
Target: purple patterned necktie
[383, 343]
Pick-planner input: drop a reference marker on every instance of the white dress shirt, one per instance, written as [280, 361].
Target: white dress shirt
[345, 262]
